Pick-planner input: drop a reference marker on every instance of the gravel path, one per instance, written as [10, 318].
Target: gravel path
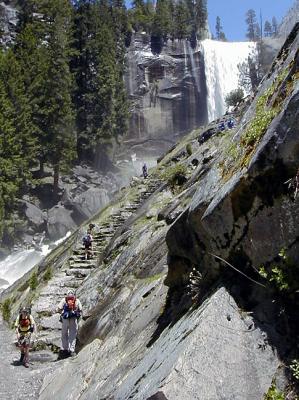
[16, 381]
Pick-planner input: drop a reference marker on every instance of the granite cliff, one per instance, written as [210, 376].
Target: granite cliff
[189, 294]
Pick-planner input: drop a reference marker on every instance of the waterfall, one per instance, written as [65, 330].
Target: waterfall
[18, 263]
[221, 70]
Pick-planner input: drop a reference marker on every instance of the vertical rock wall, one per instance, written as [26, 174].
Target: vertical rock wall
[167, 93]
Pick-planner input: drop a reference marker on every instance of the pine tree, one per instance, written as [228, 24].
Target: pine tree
[200, 16]
[101, 98]
[141, 15]
[251, 25]
[17, 143]
[162, 19]
[43, 49]
[33, 60]
[268, 29]
[120, 24]
[219, 30]
[181, 20]
[57, 89]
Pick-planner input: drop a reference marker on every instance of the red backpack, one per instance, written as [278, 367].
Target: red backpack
[71, 302]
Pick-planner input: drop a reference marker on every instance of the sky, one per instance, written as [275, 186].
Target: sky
[232, 14]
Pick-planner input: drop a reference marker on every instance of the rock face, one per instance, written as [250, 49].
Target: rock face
[168, 94]
[212, 353]
[164, 318]
[289, 21]
[251, 214]
[8, 22]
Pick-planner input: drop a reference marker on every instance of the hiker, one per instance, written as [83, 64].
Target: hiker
[91, 227]
[221, 126]
[230, 123]
[87, 243]
[71, 310]
[25, 326]
[144, 171]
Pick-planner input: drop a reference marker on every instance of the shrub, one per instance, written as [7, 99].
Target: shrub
[234, 97]
[6, 309]
[48, 274]
[283, 276]
[33, 282]
[175, 175]
[274, 394]
[189, 149]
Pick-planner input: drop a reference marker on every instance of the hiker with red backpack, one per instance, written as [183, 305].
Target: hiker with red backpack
[71, 310]
[25, 326]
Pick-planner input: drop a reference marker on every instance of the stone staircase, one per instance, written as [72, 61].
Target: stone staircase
[76, 269]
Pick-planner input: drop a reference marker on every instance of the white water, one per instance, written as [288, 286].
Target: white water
[17, 264]
[221, 70]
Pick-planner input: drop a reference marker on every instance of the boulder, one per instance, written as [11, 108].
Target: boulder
[59, 222]
[33, 214]
[92, 200]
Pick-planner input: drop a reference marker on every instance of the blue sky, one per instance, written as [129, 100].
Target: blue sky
[232, 14]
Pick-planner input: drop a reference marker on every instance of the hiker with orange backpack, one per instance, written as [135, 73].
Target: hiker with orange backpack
[71, 310]
[25, 326]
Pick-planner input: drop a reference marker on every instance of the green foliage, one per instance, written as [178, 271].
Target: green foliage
[267, 107]
[189, 149]
[283, 276]
[274, 394]
[23, 287]
[6, 309]
[33, 281]
[294, 366]
[173, 174]
[100, 96]
[48, 274]
[183, 19]
[261, 121]
[234, 97]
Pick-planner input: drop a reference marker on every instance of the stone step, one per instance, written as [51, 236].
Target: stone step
[82, 257]
[82, 265]
[77, 272]
[99, 239]
[75, 283]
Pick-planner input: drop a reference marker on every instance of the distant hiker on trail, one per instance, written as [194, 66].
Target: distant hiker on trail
[144, 171]
[87, 243]
[71, 310]
[91, 227]
[221, 126]
[25, 326]
[230, 123]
